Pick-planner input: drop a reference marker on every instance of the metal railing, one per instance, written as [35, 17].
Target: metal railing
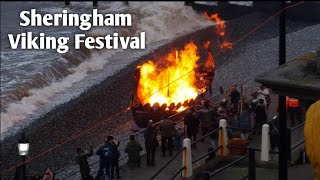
[165, 165]
[206, 135]
[212, 151]
[251, 155]
[120, 150]
[141, 131]
[206, 174]
[171, 159]
[178, 172]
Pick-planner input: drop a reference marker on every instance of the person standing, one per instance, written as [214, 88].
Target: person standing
[234, 98]
[115, 159]
[133, 149]
[167, 130]
[265, 92]
[192, 123]
[178, 133]
[206, 118]
[105, 153]
[245, 120]
[82, 159]
[260, 115]
[151, 143]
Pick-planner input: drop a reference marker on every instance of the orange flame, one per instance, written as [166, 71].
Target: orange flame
[210, 64]
[207, 44]
[220, 29]
[176, 78]
[177, 70]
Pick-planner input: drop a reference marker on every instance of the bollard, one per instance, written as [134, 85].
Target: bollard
[252, 165]
[265, 143]
[187, 159]
[205, 175]
[223, 138]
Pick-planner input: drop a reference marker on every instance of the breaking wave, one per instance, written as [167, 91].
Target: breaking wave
[160, 21]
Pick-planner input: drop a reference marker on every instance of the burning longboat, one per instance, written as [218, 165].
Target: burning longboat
[176, 81]
[171, 84]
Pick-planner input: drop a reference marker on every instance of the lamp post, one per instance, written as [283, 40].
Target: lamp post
[23, 146]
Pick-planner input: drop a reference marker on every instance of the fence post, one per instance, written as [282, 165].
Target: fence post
[289, 144]
[252, 164]
[187, 159]
[265, 143]
[223, 138]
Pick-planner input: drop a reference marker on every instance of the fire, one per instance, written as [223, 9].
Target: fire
[220, 30]
[210, 64]
[177, 78]
[171, 79]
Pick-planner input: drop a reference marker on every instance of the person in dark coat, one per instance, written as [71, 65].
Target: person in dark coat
[260, 115]
[234, 98]
[105, 153]
[115, 159]
[245, 120]
[192, 123]
[167, 131]
[206, 117]
[151, 143]
[82, 159]
[133, 149]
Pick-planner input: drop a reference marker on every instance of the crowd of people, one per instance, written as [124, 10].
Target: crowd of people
[246, 118]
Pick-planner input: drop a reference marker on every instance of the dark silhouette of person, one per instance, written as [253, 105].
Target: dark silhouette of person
[133, 149]
[167, 130]
[151, 143]
[82, 159]
[105, 153]
[115, 159]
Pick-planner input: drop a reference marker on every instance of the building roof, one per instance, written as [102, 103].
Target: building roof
[297, 78]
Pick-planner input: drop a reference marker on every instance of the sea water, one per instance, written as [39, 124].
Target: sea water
[35, 81]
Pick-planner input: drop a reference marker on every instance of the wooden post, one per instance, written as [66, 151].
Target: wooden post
[265, 143]
[187, 159]
[223, 138]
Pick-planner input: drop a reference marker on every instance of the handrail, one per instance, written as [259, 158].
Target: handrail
[206, 135]
[140, 131]
[240, 147]
[136, 133]
[214, 150]
[246, 177]
[297, 145]
[228, 165]
[295, 128]
[243, 129]
[171, 159]
[255, 149]
[176, 174]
